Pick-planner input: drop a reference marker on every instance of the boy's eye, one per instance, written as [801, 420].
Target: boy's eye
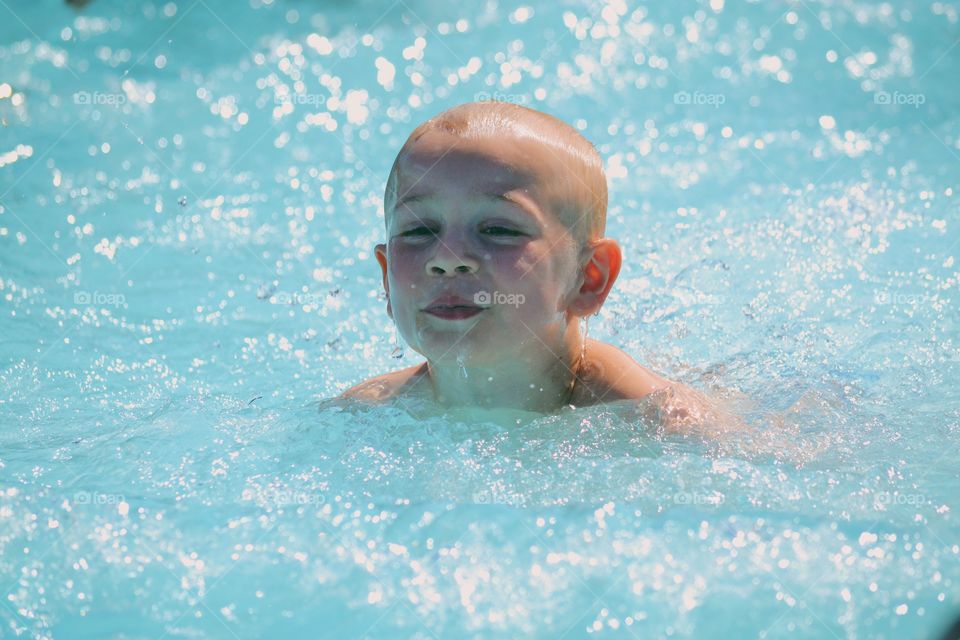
[419, 231]
[503, 231]
[495, 230]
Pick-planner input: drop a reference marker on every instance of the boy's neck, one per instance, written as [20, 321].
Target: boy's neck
[541, 381]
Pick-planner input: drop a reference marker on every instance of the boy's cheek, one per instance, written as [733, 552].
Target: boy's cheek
[401, 262]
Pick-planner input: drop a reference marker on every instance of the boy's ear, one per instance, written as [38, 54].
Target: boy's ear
[597, 276]
[381, 251]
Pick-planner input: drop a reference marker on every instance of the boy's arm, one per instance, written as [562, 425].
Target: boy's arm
[682, 409]
[675, 407]
[372, 390]
[385, 386]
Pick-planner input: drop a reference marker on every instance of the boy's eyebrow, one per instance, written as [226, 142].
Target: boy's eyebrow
[524, 204]
[406, 201]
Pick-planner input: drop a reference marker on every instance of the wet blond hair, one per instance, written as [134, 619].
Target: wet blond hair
[583, 189]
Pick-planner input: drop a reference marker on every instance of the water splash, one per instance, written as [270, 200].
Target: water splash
[690, 316]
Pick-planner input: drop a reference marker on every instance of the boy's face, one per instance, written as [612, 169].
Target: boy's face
[475, 217]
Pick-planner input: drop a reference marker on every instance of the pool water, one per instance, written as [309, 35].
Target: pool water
[189, 196]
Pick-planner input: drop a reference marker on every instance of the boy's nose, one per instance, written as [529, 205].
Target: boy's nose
[450, 260]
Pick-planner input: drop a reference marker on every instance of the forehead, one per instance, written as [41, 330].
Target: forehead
[440, 163]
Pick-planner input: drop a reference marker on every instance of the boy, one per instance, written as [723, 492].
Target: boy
[495, 216]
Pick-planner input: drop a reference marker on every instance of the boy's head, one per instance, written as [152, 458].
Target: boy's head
[503, 208]
[579, 192]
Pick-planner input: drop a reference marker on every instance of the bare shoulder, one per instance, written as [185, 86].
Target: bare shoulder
[611, 375]
[386, 386]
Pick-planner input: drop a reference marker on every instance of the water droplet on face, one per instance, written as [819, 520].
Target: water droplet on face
[463, 369]
[397, 352]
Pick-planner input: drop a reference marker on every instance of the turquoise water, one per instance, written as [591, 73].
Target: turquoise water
[189, 196]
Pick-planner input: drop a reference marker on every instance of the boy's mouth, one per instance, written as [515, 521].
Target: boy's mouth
[452, 308]
[453, 313]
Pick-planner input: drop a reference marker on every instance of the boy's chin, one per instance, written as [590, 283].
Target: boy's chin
[465, 351]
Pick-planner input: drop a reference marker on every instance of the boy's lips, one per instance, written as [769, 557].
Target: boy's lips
[451, 307]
